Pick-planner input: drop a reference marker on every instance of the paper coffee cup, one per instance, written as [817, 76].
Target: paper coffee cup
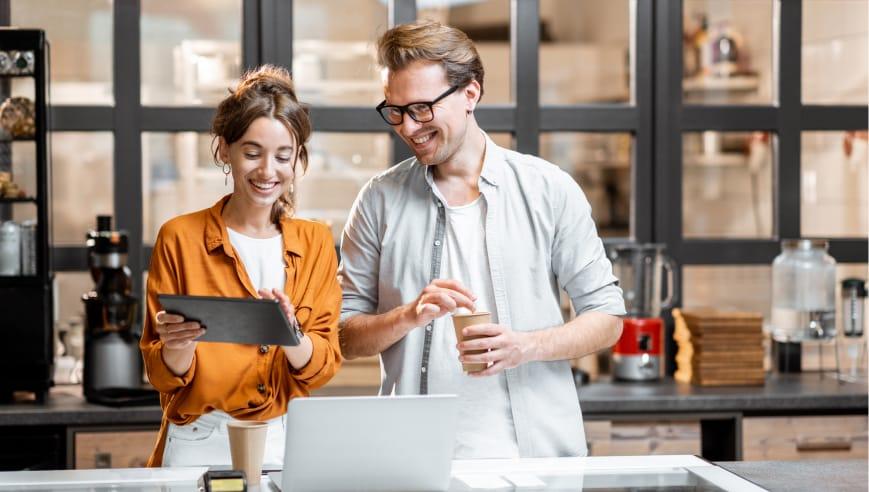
[247, 444]
[460, 321]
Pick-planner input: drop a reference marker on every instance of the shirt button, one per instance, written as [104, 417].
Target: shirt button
[423, 369]
[437, 242]
[261, 388]
[263, 349]
[428, 328]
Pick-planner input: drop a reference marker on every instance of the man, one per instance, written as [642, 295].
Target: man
[469, 225]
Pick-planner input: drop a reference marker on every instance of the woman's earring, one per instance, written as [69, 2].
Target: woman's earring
[292, 188]
[226, 170]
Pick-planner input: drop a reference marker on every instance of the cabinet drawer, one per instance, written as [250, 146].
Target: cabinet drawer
[635, 438]
[113, 449]
[795, 438]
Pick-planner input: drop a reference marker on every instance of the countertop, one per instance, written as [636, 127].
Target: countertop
[807, 475]
[796, 393]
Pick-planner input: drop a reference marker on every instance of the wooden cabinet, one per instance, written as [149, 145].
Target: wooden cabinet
[797, 438]
[634, 438]
[112, 448]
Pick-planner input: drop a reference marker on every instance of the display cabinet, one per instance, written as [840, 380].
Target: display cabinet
[25, 265]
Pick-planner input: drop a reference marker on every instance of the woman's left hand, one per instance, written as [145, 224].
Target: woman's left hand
[283, 300]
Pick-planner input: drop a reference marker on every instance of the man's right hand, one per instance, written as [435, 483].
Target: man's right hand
[438, 298]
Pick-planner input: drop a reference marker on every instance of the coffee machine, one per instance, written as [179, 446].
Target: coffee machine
[640, 268]
[112, 360]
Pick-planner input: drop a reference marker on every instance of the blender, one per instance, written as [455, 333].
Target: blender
[639, 353]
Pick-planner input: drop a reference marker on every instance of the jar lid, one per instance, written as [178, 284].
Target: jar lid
[857, 284]
[804, 244]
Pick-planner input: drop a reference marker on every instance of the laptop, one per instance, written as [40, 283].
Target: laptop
[386, 443]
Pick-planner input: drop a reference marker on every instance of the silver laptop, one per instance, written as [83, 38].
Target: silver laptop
[369, 443]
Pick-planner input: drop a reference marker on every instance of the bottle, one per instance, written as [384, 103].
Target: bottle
[10, 249]
[853, 306]
[803, 291]
[28, 247]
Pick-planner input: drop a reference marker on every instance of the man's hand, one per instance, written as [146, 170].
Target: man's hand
[437, 299]
[506, 348]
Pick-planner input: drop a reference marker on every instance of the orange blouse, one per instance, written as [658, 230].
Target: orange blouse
[193, 256]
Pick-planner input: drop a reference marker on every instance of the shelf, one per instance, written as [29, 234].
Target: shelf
[19, 280]
[28, 199]
[17, 75]
[739, 83]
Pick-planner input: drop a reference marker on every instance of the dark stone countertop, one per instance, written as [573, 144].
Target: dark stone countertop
[796, 393]
[790, 394]
[808, 475]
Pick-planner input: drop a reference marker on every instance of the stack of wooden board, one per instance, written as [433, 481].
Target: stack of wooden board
[719, 348]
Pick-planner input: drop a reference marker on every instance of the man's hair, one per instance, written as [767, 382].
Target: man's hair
[427, 40]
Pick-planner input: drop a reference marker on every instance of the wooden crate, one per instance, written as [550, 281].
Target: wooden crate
[639, 438]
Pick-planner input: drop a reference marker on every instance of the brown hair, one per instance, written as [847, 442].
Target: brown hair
[427, 40]
[268, 92]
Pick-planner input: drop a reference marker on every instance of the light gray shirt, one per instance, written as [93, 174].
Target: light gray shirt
[540, 238]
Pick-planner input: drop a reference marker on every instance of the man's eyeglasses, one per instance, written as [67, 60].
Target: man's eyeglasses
[421, 112]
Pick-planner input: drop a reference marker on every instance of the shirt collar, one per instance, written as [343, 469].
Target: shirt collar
[217, 236]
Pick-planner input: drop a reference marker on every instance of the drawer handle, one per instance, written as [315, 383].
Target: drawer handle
[836, 444]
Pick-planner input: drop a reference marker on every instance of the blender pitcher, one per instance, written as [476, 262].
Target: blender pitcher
[640, 268]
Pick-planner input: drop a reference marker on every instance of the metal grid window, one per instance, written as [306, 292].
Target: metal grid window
[655, 120]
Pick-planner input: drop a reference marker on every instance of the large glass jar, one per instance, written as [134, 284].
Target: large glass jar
[803, 291]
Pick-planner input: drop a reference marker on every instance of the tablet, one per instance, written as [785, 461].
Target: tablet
[234, 320]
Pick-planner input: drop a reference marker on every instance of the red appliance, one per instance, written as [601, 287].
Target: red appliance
[639, 353]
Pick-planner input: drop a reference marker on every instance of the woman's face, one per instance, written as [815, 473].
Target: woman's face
[262, 161]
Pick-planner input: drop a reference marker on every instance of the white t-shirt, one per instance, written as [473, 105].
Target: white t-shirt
[485, 426]
[263, 259]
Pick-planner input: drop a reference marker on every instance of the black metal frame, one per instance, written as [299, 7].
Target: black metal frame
[656, 119]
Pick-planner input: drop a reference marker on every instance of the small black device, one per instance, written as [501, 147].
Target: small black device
[223, 481]
[235, 320]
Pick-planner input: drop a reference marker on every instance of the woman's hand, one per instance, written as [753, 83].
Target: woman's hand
[283, 301]
[300, 355]
[179, 340]
[176, 333]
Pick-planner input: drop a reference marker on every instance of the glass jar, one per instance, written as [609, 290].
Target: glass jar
[803, 291]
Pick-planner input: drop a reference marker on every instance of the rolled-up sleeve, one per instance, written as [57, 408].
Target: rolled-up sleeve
[360, 257]
[321, 326]
[162, 279]
[578, 256]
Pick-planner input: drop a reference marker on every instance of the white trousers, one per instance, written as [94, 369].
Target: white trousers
[205, 442]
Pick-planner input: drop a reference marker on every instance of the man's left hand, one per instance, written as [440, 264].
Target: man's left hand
[506, 348]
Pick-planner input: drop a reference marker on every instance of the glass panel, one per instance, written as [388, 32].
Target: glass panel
[191, 51]
[727, 183]
[179, 176]
[82, 183]
[503, 139]
[834, 191]
[585, 54]
[601, 164]
[739, 287]
[80, 33]
[334, 58]
[727, 51]
[835, 40]
[487, 23]
[339, 165]
[69, 325]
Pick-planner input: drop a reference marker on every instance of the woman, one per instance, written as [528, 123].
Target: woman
[246, 245]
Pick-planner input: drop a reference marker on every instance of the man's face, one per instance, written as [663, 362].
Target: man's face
[436, 141]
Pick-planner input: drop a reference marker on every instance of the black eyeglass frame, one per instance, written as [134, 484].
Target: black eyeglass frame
[403, 109]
